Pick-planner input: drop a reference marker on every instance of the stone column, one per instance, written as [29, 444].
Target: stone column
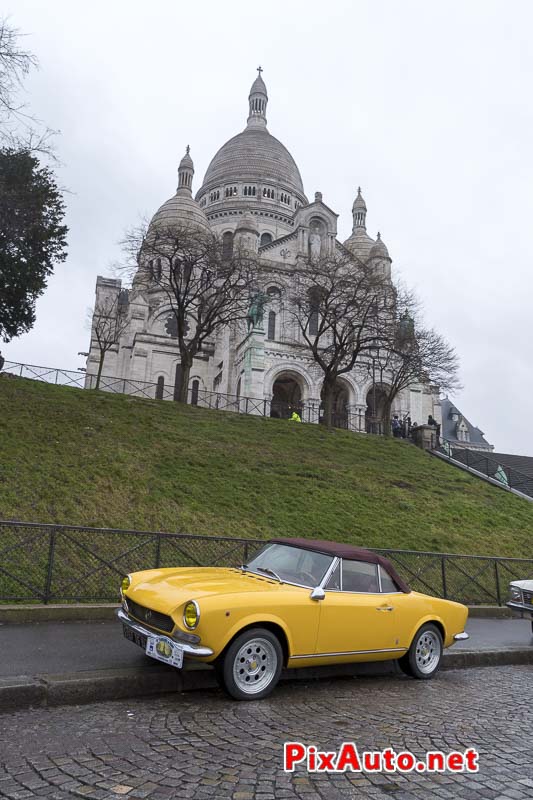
[254, 373]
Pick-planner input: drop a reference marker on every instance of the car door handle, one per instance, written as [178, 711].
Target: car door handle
[385, 608]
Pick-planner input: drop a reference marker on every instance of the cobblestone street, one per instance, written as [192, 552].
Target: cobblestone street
[205, 746]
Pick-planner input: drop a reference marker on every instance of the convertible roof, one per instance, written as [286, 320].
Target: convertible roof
[347, 551]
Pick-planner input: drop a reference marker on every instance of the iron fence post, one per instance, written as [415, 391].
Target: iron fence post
[51, 553]
[245, 552]
[497, 577]
[443, 572]
[158, 551]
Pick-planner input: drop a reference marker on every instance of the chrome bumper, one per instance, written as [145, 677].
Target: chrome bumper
[521, 608]
[188, 649]
[459, 637]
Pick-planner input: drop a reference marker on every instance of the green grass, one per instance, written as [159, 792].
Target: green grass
[77, 457]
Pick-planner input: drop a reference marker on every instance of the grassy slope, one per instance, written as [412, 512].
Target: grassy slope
[95, 459]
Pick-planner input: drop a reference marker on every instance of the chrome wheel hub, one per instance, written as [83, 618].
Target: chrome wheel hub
[255, 665]
[428, 652]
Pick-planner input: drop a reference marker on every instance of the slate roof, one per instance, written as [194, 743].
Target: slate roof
[449, 426]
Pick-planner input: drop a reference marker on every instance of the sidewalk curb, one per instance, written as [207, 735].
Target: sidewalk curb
[78, 688]
[60, 612]
[97, 612]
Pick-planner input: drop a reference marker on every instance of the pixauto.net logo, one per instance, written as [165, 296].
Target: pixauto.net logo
[348, 758]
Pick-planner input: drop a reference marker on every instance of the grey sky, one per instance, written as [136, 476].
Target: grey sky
[427, 106]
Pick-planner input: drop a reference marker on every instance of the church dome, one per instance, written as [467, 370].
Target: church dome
[379, 250]
[360, 244]
[253, 169]
[254, 155]
[182, 209]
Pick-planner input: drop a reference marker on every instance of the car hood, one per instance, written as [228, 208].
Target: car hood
[523, 585]
[165, 589]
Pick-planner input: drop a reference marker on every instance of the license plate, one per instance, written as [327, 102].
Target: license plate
[134, 636]
[165, 650]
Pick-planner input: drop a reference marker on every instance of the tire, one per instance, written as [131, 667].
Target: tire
[250, 667]
[423, 658]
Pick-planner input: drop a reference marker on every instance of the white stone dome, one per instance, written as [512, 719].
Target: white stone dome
[180, 210]
[360, 244]
[256, 156]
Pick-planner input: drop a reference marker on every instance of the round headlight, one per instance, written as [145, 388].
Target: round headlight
[125, 583]
[191, 614]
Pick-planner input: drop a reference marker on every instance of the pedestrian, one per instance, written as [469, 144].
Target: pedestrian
[396, 427]
[295, 417]
[2, 361]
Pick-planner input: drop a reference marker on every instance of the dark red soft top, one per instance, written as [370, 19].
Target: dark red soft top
[347, 551]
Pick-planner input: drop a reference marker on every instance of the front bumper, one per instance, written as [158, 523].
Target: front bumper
[459, 637]
[521, 609]
[188, 649]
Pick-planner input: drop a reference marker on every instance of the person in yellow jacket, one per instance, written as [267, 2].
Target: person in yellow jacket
[295, 417]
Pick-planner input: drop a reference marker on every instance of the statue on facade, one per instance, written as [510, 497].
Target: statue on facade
[256, 310]
[315, 245]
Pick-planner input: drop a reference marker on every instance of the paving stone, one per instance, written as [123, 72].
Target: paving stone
[206, 747]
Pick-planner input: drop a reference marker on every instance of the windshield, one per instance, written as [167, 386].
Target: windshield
[290, 564]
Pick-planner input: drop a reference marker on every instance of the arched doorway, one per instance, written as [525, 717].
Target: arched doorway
[340, 407]
[375, 409]
[286, 396]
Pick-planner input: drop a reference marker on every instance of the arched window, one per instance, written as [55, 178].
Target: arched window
[314, 304]
[271, 325]
[160, 388]
[227, 245]
[274, 293]
[158, 269]
[239, 389]
[194, 392]
[266, 238]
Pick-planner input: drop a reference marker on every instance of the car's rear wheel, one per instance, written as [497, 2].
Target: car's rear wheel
[423, 658]
[251, 666]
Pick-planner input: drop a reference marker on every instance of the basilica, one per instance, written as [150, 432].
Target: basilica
[253, 193]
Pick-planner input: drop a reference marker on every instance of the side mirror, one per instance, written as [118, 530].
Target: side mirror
[318, 593]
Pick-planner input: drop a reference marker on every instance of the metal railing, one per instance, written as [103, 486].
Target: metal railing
[479, 461]
[309, 412]
[47, 563]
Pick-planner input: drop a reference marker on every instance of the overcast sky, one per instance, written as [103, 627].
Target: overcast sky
[428, 106]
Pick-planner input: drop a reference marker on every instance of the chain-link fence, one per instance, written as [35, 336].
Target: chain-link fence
[62, 563]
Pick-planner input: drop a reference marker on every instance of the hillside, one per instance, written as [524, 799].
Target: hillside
[77, 457]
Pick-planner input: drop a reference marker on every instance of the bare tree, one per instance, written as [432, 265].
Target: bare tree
[109, 320]
[19, 128]
[341, 309]
[414, 354]
[205, 286]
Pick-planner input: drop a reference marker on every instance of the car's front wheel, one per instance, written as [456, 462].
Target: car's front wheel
[251, 666]
[423, 658]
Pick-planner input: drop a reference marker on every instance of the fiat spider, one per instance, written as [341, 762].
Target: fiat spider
[295, 603]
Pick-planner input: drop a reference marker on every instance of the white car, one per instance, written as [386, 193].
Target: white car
[521, 599]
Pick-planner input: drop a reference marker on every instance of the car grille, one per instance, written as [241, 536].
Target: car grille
[152, 619]
[528, 597]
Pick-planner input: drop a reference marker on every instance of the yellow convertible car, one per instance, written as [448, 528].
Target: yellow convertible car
[297, 602]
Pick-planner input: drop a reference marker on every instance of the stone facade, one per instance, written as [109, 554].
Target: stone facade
[253, 195]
